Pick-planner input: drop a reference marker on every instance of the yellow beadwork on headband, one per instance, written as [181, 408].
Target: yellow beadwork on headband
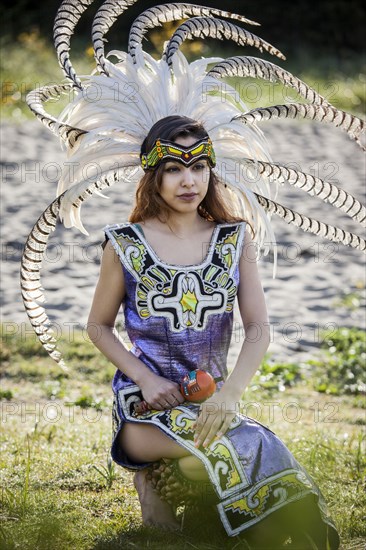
[164, 150]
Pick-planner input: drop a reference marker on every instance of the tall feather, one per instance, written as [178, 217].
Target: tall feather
[30, 280]
[34, 253]
[154, 17]
[107, 14]
[209, 27]
[66, 19]
[35, 98]
[328, 192]
[253, 67]
[351, 124]
[312, 225]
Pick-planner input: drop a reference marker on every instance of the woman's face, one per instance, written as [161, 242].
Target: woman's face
[184, 188]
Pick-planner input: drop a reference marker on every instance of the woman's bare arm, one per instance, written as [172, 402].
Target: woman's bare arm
[108, 297]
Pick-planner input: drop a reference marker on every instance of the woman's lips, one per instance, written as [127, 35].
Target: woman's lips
[187, 196]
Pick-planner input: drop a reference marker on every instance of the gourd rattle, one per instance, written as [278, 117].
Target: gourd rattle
[196, 386]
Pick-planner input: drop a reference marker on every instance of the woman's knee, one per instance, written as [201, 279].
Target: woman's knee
[192, 468]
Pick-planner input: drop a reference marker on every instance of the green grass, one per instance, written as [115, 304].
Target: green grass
[342, 369]
[31, 61]
[60, 489]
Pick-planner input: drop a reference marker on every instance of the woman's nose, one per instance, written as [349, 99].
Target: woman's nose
[188, 177]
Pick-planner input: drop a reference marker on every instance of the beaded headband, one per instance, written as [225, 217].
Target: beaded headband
[165, 150]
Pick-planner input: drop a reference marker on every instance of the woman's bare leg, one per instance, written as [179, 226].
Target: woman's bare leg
[145, 443]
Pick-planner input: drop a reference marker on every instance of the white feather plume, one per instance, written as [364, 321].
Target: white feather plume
[118, 111]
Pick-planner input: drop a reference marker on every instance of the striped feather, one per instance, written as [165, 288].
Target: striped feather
[107, 14]
[77, 194]
[154, 17]
[351, 124]
[328, 192]
[35, 98]
[208, 27]
[30, 283]
[311, 225]
[254, 67]
[35, 249]
[66, 19]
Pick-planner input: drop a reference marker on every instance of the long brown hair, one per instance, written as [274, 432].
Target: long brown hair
[149, 203]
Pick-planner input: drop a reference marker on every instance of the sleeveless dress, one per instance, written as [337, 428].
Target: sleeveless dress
[179, 318]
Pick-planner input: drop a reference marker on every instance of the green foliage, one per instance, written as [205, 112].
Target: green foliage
[86, 401]
[353, 299]
[21, 349]
[16, 502]
[6, 394]
[335, 25]
[342, 369]
[338, 464]
[107, 472]
[277, 376]
[16, 341]
[54, 389]
[359, 401]
[30, 62]
[343, 92]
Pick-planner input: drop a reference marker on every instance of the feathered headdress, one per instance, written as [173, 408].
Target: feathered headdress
[114, 109]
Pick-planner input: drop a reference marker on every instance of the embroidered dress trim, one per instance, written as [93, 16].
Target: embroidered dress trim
[185, 295]
[242, 511]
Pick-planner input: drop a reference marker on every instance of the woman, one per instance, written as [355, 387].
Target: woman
[178, 300]
[180, 263]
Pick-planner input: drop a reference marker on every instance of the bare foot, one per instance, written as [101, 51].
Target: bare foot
[155, 512]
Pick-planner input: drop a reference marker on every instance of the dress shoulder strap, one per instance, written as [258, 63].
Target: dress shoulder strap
[228, 245]
[130, 248]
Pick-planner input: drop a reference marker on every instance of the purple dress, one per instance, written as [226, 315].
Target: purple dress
[180, 318]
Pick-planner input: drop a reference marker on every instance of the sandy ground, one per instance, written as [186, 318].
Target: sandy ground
[312, 276]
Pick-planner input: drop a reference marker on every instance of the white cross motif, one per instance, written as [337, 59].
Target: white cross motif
[189, 304]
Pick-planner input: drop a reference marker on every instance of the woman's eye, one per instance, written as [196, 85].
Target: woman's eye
[198, 166]
[171, 169]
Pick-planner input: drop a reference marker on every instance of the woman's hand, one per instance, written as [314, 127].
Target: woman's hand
[215, 417]
[161, 393]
